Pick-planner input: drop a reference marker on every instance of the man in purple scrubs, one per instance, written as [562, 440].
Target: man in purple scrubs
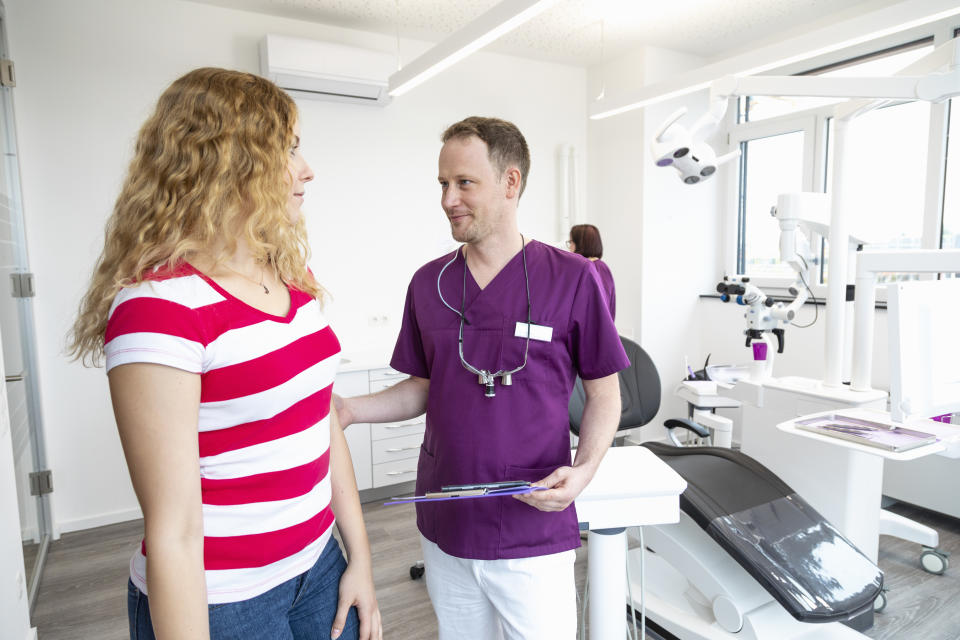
[500, 567]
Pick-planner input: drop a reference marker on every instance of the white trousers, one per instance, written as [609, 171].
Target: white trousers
[522, 599]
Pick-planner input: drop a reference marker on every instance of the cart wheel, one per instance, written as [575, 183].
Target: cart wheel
[934, 561]
[417, 571]
[880, 603]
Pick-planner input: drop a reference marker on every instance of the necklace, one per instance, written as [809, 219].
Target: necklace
[249, 279]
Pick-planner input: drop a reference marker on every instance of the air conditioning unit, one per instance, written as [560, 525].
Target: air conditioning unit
[326, 71]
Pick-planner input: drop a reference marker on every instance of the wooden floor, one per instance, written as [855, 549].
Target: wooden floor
[83, 593]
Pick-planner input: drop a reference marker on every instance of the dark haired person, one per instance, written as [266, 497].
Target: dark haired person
[500, 567]
[585, 240]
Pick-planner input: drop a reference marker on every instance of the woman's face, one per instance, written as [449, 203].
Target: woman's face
[571, 246]
[300, 175]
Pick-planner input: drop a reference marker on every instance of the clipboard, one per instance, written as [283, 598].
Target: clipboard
[488, 491]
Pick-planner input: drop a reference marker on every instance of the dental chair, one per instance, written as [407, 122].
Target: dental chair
[749, 558]
[639, 397]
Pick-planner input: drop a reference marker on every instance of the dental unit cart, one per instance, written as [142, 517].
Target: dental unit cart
[632, 487]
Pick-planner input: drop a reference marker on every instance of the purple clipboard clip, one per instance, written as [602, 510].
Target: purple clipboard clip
[466, 494]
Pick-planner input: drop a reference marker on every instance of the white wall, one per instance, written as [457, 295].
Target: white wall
[373, 210]
[660, 235]
[88, 75]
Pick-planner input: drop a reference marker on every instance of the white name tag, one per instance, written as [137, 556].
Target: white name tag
[537, 332]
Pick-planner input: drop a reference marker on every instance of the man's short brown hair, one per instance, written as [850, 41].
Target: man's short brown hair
[506, 146]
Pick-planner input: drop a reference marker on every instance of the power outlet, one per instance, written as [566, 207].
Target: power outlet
[378, 320]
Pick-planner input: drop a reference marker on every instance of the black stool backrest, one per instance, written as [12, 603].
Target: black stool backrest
[639, 391]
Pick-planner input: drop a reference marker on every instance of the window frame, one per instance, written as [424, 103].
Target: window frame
[763, 129]
[816, 141]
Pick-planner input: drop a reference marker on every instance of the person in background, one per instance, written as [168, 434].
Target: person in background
[221, 369]
[500, 567]
[585, 240]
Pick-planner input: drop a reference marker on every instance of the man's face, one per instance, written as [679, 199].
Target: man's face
[473, 195]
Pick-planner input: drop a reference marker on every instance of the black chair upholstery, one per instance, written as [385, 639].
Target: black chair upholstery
[774, 534]
[639, 391]
[768, 529]
[639, 396]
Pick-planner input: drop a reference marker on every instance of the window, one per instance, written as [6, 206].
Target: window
[769, 166]
[886, 169]
[886, 176]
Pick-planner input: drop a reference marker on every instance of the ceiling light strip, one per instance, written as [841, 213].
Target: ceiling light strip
[893, 19]
[499, 20]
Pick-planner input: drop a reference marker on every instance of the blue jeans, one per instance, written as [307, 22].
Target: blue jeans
[302, 608]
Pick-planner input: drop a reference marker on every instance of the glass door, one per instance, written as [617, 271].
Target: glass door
[19, 354]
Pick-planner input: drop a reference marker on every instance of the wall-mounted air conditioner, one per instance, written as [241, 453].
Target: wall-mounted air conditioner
[326, 71]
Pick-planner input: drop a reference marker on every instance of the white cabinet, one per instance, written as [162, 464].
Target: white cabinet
[389, 473]
[355, 383]
[383, 454]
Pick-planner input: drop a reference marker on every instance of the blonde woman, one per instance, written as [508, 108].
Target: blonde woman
[221, 367]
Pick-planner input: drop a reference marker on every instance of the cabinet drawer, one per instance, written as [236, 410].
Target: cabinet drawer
[397, 429]
[394, 472]
[384, 373]
[384, 383]
[400, 448]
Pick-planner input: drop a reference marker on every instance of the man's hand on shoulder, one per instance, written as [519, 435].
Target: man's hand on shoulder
[565, 484]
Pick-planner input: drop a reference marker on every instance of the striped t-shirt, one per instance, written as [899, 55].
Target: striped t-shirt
[264, 424]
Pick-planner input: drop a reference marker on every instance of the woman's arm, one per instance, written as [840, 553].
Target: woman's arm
[356, 585]
[156, 408]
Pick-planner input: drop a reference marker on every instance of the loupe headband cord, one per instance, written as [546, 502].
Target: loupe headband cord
[526, 280]
[440, 293]
[463, 308]
[463, 318]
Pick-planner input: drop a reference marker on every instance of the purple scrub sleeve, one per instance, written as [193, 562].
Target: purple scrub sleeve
[522, 432]
[409, 350]
[594, 340]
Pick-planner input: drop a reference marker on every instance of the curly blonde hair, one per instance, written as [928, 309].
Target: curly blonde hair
[210, 165]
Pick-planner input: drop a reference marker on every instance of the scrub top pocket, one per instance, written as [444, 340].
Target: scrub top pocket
[426, 481]
[527, 531]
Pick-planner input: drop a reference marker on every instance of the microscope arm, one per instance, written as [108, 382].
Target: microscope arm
[795, 250]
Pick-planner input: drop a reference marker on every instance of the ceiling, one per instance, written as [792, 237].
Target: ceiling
[570, 31]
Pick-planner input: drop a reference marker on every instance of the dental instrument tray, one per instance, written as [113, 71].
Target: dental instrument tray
[888, 437]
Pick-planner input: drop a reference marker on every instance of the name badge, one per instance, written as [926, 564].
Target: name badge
[537, 332]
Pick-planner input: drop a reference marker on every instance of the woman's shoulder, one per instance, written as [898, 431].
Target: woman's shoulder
[560, 258]
[601, 266]
[183, 286]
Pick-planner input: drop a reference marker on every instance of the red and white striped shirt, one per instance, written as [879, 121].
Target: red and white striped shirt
[264, 441]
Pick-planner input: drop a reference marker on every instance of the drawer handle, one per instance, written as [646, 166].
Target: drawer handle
[400, 473]
[403, 426]
[396, 449]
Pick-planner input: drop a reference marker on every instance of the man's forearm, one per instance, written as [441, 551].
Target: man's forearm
[601, 415]
[402, 401]
[598, 426]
